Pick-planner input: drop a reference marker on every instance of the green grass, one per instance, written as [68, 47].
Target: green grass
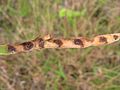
[94, 68]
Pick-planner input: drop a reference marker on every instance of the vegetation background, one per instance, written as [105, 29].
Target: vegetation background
[93, 68]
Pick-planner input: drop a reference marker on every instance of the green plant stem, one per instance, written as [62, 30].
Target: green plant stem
[4, 50]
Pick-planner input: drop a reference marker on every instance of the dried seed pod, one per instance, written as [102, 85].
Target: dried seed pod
[48, 42]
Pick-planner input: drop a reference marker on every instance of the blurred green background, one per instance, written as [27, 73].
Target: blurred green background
[93, 68]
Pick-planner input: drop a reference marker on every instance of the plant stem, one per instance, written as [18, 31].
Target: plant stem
[4, 50]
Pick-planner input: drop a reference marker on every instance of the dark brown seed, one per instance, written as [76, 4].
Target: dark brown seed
[78, 42]
[58, 42]
[103, 39]
[115, 37]
[27, 45]
[41, 42]
[11, 48]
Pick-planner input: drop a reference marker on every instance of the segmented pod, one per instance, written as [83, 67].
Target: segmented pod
[50, 42]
